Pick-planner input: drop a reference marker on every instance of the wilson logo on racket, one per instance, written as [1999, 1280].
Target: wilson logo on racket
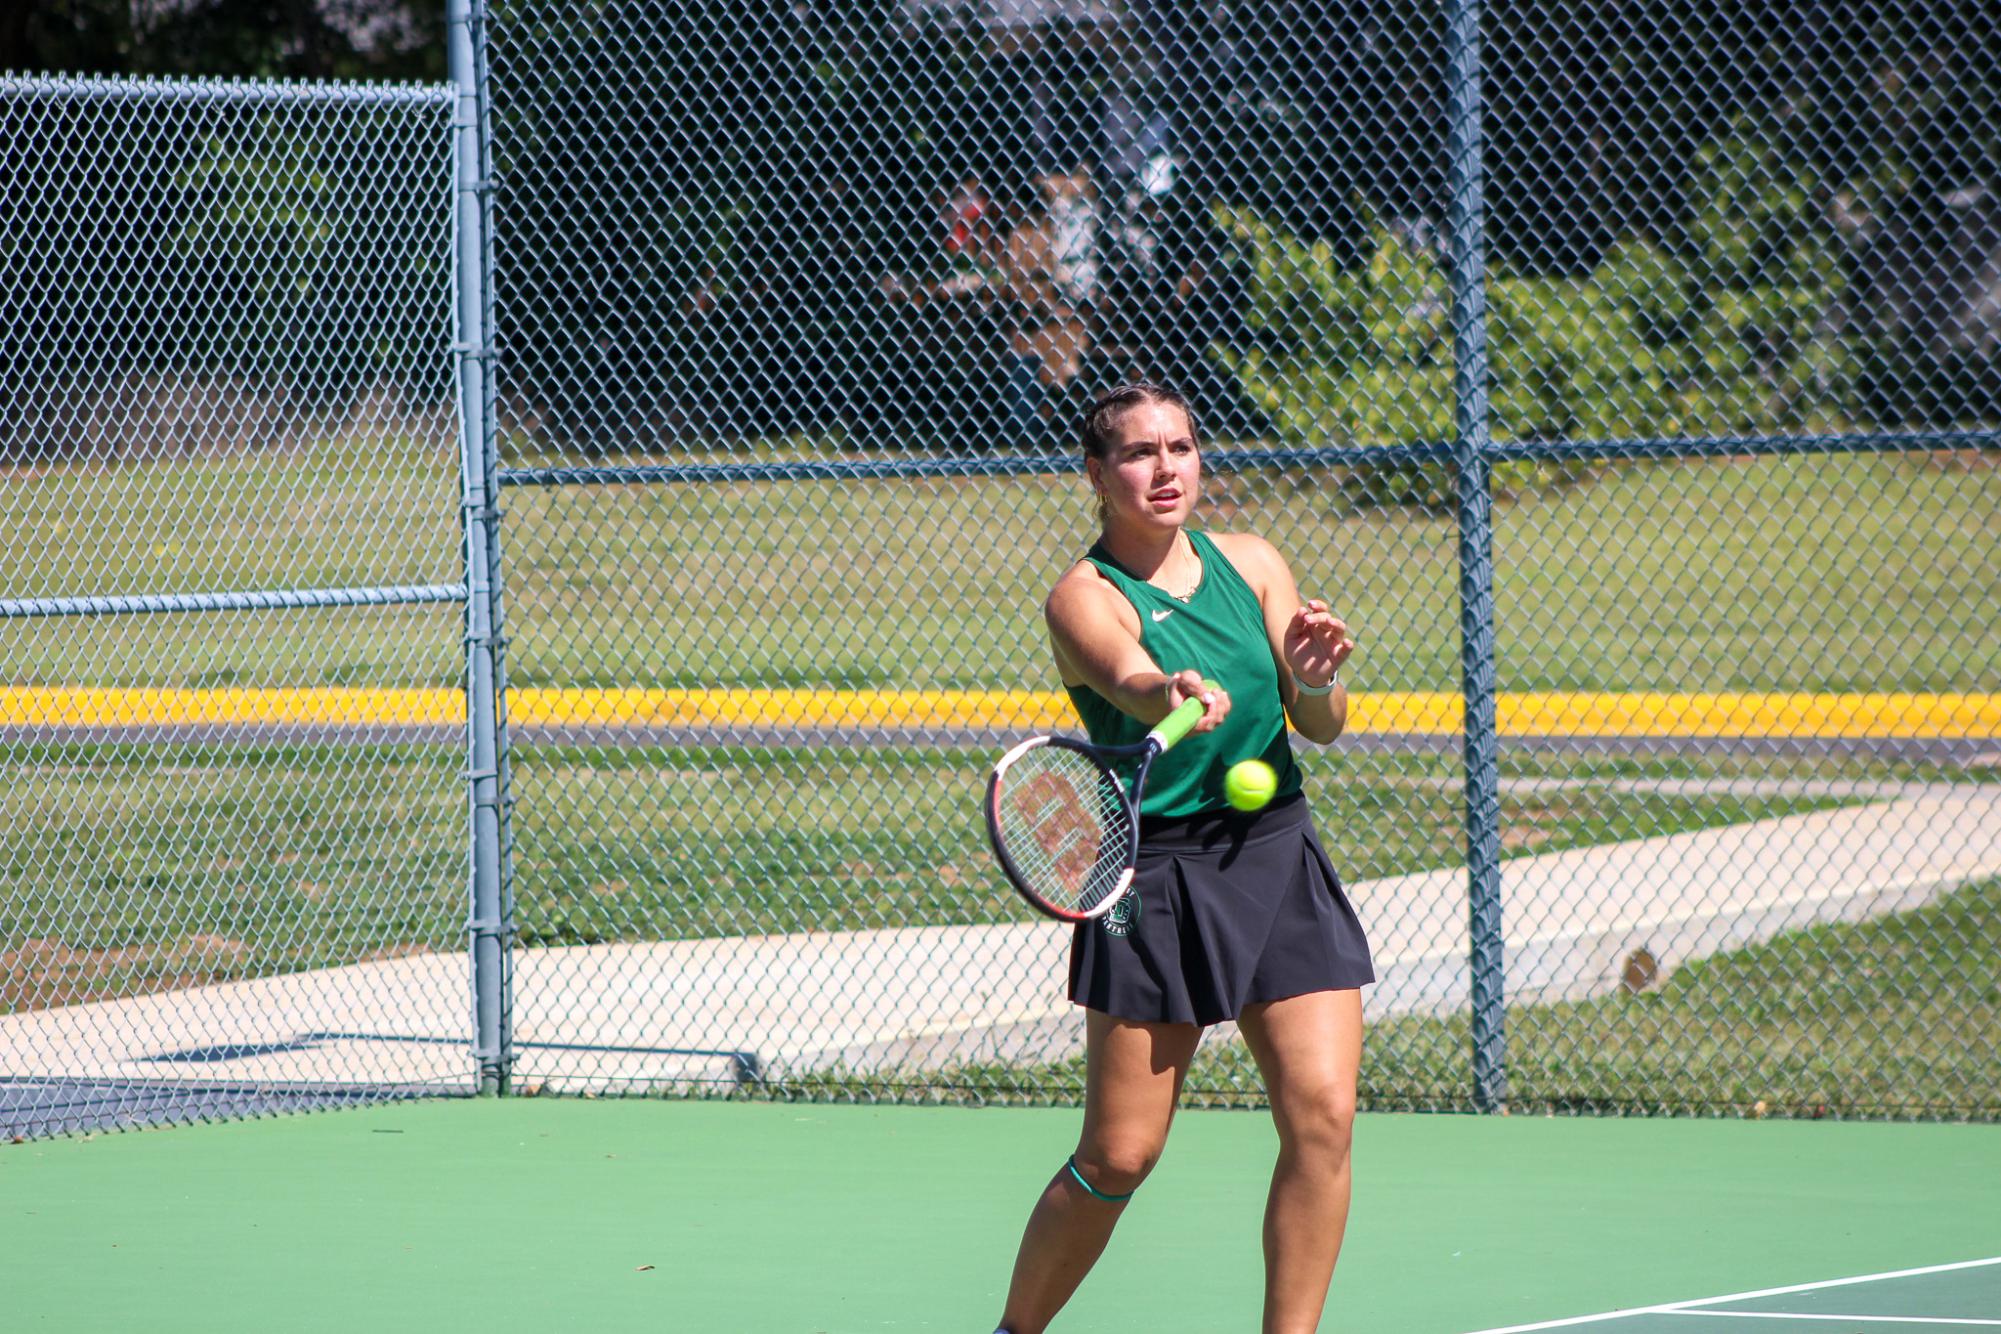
[1064, 828]
[1066, 832]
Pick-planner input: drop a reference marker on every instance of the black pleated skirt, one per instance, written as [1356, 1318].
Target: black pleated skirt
[1227, 909]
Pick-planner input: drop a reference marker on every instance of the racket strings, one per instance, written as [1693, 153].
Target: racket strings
[1064, 819]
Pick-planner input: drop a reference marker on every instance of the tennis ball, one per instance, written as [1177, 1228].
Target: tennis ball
[1249, 784]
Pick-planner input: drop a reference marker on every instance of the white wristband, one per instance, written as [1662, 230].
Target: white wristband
[1306, 689]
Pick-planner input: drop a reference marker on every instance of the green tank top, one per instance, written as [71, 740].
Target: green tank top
[1220, 632]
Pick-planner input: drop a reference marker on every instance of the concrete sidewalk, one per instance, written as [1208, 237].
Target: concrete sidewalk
[662, 1014]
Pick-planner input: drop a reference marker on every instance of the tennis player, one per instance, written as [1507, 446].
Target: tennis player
[1232, 915]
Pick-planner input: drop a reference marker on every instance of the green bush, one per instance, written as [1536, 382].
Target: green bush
[1657, 287]
[1732, 340]
[1364, 357]
[1762, 236]
[306, 283]
[1567, 362]
[1350, 357]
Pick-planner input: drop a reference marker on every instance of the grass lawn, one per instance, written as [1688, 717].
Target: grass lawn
[1840, 572]
[1715, 575]
[128, 869]
[1897, 1016]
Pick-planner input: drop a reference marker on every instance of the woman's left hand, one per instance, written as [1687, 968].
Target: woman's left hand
[1316, 643]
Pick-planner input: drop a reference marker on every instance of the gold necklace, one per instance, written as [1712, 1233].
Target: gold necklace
[1195, 581]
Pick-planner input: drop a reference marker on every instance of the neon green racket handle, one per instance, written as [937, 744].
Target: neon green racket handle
[1177, 724]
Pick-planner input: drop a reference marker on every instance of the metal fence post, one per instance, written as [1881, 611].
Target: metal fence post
[1476, 550]
[490, 923]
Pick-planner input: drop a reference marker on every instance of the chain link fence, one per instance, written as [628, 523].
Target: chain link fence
[1630, 382]
[799, 308]
[232, 844]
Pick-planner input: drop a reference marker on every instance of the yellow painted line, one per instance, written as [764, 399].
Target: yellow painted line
[1547, 713]
[80, 706]
[1878, 715]
[1004, 709]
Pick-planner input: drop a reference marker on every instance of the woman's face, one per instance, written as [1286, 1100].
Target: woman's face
[1152, 474]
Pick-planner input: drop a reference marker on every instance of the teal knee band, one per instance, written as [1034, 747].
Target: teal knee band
[1089, 1189]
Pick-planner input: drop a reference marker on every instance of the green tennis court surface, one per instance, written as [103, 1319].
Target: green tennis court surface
[1930, 1297]
[544, 1214]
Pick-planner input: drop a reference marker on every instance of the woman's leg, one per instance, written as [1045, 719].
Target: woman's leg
[1308, 1048]
[1133, 1075]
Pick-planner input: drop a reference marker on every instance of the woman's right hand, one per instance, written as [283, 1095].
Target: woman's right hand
[1184, 686]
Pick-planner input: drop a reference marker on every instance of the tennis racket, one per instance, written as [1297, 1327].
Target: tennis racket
[1065, 824]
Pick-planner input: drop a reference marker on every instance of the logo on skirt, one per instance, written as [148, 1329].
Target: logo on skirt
[1119, 918]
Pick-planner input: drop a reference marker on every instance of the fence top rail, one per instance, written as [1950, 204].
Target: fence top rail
[1241, 460]
[208, 88]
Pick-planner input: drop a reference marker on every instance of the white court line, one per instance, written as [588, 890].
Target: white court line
[1802, 1315]
[1682, 1308]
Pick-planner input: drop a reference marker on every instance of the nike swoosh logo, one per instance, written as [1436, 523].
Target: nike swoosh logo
[1163, 615]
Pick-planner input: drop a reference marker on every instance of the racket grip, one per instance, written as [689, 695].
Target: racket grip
[1177, 724]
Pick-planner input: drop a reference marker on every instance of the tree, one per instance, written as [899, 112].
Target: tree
[297, 39]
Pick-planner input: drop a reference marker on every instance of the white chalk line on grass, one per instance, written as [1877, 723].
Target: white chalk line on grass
[1684, 1308]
